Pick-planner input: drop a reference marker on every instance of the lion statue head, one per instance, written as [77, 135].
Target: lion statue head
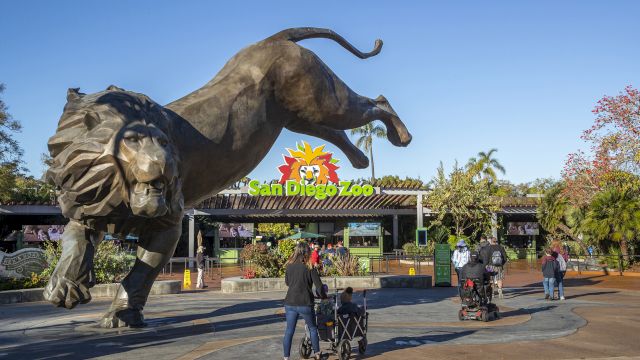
[114, 159]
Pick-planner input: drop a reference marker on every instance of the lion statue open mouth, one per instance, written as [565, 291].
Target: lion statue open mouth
[113, 158]
[124, 164]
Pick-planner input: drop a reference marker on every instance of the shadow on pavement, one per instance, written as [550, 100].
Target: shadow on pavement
[526, 311]
[401, 297]
[89, 341]
[592, 294]
[402, 342]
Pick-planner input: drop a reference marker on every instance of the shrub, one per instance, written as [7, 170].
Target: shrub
[439, 234]
[412, 249]
[347, 265]
[35, 281]
[110, 263]
[286, 247]
[248, 274]
[266, 262]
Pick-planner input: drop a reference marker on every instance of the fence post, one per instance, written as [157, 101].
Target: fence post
[620, 264]
[579, 273]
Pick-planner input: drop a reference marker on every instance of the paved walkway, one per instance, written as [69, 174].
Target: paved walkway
[593, 322]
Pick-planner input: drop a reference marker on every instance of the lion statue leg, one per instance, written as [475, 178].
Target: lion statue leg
[154, 251]
[73, 276]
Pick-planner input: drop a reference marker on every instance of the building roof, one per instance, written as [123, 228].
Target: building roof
[238, 203]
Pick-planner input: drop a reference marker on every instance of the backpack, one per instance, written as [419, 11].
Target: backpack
[496, 258]
[562, 263]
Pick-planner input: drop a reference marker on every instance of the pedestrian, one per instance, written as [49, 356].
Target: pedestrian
[460, 257]
[550, 269]
[562, 270]
[341, 250]
[315, 255]
[200, 263]
[300, 276]
[483, 242]
[494, 257]
[474, 269]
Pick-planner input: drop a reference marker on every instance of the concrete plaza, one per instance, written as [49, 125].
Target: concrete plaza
[599, 319]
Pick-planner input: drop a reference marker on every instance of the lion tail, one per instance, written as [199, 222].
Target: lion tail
[303, 33]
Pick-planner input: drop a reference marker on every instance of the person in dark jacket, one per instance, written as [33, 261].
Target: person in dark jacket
[550, 271]
[493, 256]
[347, 307]
[474, 269]
[300, 277]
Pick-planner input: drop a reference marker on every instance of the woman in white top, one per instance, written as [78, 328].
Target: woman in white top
[460, 257]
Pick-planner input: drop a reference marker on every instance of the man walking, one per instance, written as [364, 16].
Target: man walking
[494, 257]
[200, 263]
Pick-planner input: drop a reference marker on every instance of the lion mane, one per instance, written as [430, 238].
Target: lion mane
[90, 178]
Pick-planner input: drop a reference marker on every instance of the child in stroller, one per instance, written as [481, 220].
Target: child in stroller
[339, 326]
[476, 292]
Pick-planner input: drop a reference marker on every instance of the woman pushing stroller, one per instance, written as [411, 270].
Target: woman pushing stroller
[300, 276]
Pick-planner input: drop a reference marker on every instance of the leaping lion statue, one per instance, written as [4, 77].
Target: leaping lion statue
[124, 164]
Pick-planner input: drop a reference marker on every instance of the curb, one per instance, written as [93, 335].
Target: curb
[238, 285]
[103, 290]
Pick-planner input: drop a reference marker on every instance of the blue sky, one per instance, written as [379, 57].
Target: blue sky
[464, 76]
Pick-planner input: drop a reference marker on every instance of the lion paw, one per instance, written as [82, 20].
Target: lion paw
[123, 318]
[63, 292]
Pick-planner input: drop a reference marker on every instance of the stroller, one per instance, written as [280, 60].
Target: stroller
[338, 329]
[476, 296]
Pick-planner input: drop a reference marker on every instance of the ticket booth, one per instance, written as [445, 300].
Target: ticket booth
[230, 239]
[364, 239]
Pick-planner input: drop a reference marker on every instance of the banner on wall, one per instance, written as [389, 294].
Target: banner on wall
[364, 229]
[236, 230]
[39, 233]
[523, 228]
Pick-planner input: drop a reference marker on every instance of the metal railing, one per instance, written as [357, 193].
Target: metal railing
[607, 263]
[212, 265]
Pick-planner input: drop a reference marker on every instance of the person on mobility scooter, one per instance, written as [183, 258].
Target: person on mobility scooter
[475, 292]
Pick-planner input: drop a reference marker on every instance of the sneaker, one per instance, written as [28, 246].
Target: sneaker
[500, 293]
[561, 297]
[546, 296]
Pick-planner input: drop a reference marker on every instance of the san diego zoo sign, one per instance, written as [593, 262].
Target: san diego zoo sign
[309, 171]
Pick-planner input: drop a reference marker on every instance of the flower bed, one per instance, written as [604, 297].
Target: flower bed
[265, 262]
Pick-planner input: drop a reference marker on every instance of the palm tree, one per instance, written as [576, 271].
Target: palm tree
[365, 141]
[557, 215]
[613, 214]
[485, 165]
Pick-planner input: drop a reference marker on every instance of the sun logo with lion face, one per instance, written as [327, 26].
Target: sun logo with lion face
[314, 166]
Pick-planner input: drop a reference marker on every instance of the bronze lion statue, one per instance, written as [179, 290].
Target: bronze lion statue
[125, 164]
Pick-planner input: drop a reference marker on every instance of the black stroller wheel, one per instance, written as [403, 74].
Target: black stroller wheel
[344, 349]
[362, 346]
[460, 314]
[305, 348]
